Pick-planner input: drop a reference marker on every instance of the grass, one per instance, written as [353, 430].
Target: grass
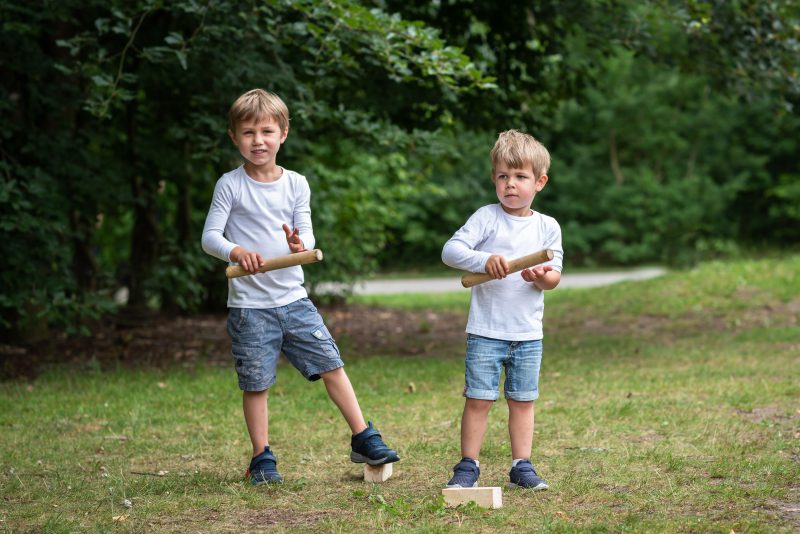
[666, 406]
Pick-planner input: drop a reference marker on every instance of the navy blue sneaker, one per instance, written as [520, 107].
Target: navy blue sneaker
[263, 469]
[368, 447]
[523, 475]
[465, 474]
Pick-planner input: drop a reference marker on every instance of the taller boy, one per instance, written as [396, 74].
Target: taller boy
[263, 210]
[504, 328]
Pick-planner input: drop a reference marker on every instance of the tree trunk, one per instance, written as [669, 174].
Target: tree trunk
[145, 238]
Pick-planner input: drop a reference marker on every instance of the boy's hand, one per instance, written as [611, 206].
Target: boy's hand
[293, 238]
[250, 261]
[497, 267]
[535, 274]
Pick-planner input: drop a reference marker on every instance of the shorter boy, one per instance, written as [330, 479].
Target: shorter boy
[263, 210]
[504, 329]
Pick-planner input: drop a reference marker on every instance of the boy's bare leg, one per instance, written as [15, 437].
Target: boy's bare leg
[473, 426]
[341, 392]
[254, 404]
[520, 428]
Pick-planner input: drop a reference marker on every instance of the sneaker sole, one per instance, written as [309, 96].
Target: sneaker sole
[539, 487]
[361, 459]
[460, 486]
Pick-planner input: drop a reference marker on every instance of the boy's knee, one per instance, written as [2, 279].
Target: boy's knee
[479, 405]
[520, 405]
[332, 374]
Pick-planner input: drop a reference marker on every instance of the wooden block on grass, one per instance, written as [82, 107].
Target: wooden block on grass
[487, 497]
[377, 473]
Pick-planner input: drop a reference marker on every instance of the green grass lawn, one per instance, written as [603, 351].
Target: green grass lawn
[671, 405]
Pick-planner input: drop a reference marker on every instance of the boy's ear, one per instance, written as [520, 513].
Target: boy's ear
[285, 135]
[232, 135]
[540, 183]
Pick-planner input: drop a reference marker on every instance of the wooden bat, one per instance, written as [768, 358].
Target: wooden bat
[279, 262]
[473, 279]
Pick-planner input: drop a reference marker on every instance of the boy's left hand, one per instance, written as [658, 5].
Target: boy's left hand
[293, 239]
[535, 274]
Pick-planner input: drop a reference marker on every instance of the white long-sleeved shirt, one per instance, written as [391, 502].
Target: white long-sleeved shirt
[511, 308]
[251, 214]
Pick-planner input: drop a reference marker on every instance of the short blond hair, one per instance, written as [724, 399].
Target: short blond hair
[258, 104]
[517, 149]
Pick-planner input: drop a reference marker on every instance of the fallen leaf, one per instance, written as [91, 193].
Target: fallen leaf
[119, 518]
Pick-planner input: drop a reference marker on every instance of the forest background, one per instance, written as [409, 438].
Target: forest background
[673, 126]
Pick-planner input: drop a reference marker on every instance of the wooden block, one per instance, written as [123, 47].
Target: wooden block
[487, 497]
[377, 473]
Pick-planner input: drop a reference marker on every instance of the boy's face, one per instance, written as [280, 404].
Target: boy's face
[516, 188]
[259, 140]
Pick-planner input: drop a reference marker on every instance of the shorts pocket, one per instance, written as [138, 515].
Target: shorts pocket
[247, 359]
[325, 341]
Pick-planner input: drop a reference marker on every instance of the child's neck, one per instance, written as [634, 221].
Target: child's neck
[518, 212]
[269, 172]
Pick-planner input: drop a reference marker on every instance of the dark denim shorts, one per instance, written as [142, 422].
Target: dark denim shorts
[260, 335]
[486, 357]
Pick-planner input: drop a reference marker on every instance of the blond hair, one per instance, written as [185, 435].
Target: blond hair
[517, 149]
[258, 104]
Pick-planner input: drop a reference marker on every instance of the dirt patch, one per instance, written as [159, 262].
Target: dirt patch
[262, 518]
[787, 511]
[242, 520]
[771, 413]
[665, 328]
[164, 341]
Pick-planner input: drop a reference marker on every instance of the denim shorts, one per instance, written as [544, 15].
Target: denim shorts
[487, 356]
[260, 335]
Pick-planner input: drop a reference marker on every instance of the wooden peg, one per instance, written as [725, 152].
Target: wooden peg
[486, 497]
[377, 473]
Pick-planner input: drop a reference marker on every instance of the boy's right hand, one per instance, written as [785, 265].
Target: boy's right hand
[497, 266]
[249, 261]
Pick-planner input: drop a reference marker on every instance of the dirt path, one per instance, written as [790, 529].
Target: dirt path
[445, 284]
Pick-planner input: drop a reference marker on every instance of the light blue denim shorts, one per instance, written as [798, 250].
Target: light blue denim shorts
[486, 357]
[260, 335]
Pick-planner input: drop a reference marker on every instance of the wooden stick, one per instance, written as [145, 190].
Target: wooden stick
[279, 262]
[473, 279]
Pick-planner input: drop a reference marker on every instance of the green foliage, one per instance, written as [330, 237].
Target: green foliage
[673, 128]
[664, 184]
